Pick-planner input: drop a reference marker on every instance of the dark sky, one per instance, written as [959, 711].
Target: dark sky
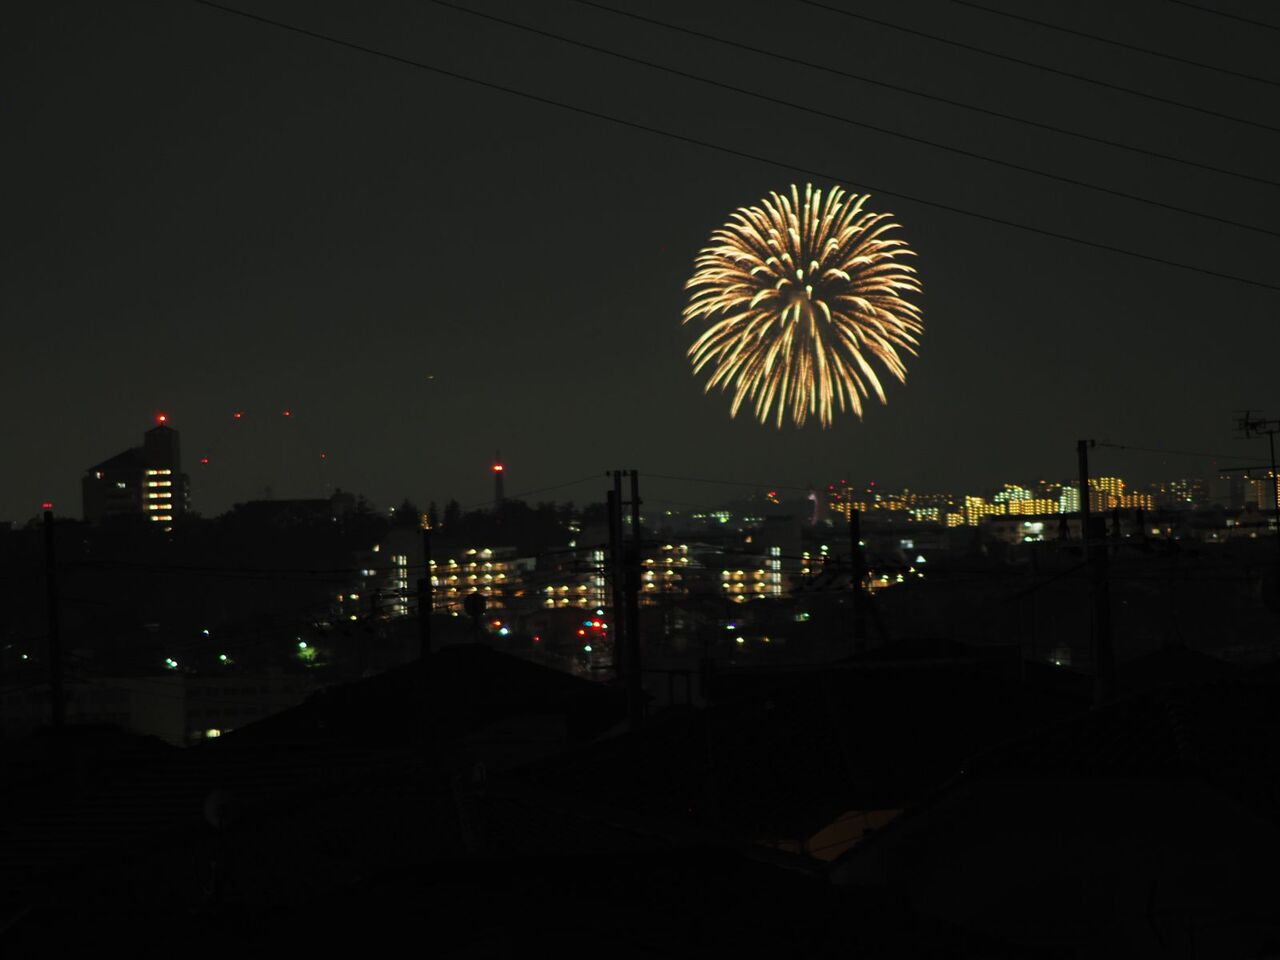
[203, 214]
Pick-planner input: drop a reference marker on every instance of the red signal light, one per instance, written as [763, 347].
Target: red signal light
[47, 505]
[497, 468]
[162, 418]
[288, 413]
[237, 415]
[204, 461]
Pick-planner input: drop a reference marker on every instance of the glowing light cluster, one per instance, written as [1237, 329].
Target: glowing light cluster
[801, 295]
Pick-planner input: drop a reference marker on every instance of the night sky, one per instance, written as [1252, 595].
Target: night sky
[205, 214]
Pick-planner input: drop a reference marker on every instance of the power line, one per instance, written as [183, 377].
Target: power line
[315, 575]
[910, 91]
[525, 493]
[731, 151]
[814, 111]
[1105, 84]
[1226, 15]
[1179, 453]
[1117, 43]
[731, 483]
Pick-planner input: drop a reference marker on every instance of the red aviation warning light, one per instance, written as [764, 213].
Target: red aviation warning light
[288, 413]
[497, 468]
[204, 461]
[237, 415]
[47, 505]
[162, 418]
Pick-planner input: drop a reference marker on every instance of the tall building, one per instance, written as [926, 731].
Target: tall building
[145, 481]
[1227, 490]
[1021, 501]
[1069, 499]
[1260, 491]
[1184, 493]
[975, 508]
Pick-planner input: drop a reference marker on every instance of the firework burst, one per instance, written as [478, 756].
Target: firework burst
[803, 299]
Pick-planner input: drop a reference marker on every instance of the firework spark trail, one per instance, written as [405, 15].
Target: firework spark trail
[799, 297]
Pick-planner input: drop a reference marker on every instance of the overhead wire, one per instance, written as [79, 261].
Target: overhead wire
[1227, 15]
[735, 152]
[1181, 453]
[925, 95]
[731, 483]
[528, 493]
[1056, 71]
[1097, 38]
[841, 118]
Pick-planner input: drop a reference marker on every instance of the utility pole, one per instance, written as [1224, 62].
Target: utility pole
[1082, 454]
[1256, 427]
[857, 573]
[635, 680]
[616, 614]
[426, 596]
[1095, 551]
[57, 696]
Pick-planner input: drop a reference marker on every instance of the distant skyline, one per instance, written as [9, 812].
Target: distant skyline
[301, 474]
[206, 214]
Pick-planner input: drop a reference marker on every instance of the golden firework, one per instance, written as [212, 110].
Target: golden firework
[801, 298]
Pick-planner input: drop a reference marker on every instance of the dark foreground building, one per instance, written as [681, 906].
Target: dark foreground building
[926, 801]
